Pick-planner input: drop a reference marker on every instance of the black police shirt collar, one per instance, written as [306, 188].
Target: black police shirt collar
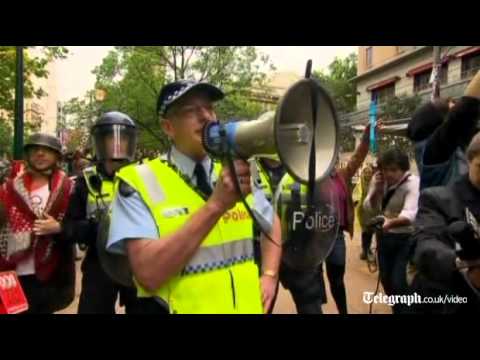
[175, 91]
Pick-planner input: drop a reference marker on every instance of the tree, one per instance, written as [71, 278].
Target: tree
[132, 77]
[35, 66]
[338, 82]
[78, 116]
[76, 140]
[6, 137]
[346, 139]
[80, 113]
[400, 107]
[397, 108]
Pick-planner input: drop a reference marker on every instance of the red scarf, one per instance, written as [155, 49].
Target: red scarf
[14, 195]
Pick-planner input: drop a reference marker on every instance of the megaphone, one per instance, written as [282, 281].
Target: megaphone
[286, 134]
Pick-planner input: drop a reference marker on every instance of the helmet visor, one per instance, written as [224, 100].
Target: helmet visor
[115, 142]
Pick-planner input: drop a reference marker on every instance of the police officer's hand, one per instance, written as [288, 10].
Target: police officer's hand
[269, 288]
[225, 194]
[46, 226]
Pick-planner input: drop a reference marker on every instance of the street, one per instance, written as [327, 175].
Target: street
[357, 280]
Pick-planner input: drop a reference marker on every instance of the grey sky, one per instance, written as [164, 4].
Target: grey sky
[74, 75]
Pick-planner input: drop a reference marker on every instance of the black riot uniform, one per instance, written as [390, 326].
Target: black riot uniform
[114, 136]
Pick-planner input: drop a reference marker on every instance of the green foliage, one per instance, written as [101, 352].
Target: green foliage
[6, 137]
[346, 139]
[35, 65]
[400, 107]
[396, 108]
[338, 82]
[132, 77]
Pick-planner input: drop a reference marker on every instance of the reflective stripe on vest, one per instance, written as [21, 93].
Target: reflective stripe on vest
[221, 277]
[154, 190]
[221, 256]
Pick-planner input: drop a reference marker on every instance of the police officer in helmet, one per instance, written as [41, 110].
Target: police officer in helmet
[114, 138]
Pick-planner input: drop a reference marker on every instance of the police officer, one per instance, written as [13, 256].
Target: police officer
[188, 237]
[114, 137]
[315, 232]
[300, 273]
[266, 175]
[272, 172]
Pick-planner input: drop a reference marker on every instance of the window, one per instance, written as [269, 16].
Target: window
[33, 113]
[369, 56]
[470, 65]
[421, 80]
[384, 93]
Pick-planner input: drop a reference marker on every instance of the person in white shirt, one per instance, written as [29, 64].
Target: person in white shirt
[31, 243]
[394, 194]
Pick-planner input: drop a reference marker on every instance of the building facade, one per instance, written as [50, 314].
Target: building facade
[277, 84]
[43, 111]
[388, 71]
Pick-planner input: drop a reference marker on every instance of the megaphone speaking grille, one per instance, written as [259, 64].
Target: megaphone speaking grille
[294, 130]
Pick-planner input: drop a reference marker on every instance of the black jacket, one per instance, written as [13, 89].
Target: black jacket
[76, 227]
[435, 253]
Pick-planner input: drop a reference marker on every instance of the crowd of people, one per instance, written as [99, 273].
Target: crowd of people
[171, 233]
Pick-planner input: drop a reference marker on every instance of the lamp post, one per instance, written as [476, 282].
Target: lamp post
[18, 125]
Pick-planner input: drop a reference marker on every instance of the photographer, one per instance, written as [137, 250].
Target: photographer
[447, 243]
[394, 195]
[440, 131]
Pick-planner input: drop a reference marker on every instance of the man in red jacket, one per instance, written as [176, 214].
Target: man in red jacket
[34, 202]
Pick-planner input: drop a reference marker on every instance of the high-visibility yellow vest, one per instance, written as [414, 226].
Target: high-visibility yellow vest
[288, 185]
[99, 199]
[221, 277]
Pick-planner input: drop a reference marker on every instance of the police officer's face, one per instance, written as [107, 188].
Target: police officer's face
[116, 148]
[42, 158]
[474, 171]
[184, 123]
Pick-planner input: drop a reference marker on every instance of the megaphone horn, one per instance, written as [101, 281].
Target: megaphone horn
[286, 134]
